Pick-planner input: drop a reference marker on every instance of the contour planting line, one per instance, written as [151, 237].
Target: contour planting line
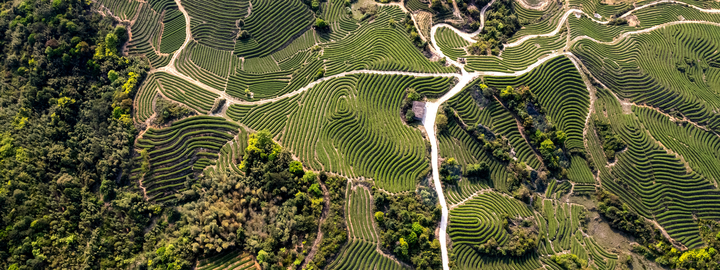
[470, 37]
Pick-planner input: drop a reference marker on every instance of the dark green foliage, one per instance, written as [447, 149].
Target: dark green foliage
[320, 24]
[501, 24]
[267, 211]
[569, 261]
[524, 238]
[611, 142]
[450, 171]
[407, 227]
[414, 36]
[334, 229]
[623, 217]
[66, 201]
[168, 111]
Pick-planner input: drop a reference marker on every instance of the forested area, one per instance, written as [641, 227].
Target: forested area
[406, 224]
[66, 200]
[271, 210]
[66, 140]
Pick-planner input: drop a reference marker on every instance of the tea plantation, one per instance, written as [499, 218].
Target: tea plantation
[361, 134]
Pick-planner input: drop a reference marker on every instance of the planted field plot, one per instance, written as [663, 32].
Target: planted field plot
[424, 21]
[359, 254]
[466, 149]
[173, 35]
[274, 84]
[659, 14]
[272, 116]
[560, 91]
[146, 99]
[261, 65]
[450, 43]
[146, 37]
[350, 125]
[215, 22]
[540, 22]
[273, 24]
[179, 90]
[123, 9]
[187, 67]
[339, 21]
[579, 172]
[700, 148]
[561, 226]
[645, 18]
[474, 110]
[227, 261]
[479, 219]
[211, 59]
[360, 216]
[231, 154]
[415, 5]
[584, 26]
[469, 259]
[677, 70]
[518, 57]
[647, 177]
[297, 47]
[601, 7]
[176, 152]
[261, 85]
[557, 189]
[378, 46]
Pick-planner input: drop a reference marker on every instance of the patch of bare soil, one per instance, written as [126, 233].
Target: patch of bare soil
[633, 20]
[618, 2]
[534, 4]
[609, 238]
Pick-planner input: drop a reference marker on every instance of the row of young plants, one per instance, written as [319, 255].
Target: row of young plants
[229, 260]
[124, 10]
[215, 23]
[379, 45]
[173, 33]
[167, 156]
[267, 16]
[146, 37]
[640, 197]
[350, 126]
[674, 63]
[187, 66]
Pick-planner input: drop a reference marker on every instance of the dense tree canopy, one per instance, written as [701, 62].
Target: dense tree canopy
[66, 136]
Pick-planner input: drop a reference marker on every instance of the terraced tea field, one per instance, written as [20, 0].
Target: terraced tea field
[620, 99]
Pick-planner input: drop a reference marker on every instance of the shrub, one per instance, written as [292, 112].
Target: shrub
[320, 23]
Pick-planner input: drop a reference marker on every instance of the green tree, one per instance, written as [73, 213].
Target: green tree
[320, 23]
[409, 116]
[561, 136]
[379, 217]
[441, 122]
[404, 247]
[112, 75]
[296, 168]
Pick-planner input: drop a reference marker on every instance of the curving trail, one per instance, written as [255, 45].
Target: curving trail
[464, 79]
